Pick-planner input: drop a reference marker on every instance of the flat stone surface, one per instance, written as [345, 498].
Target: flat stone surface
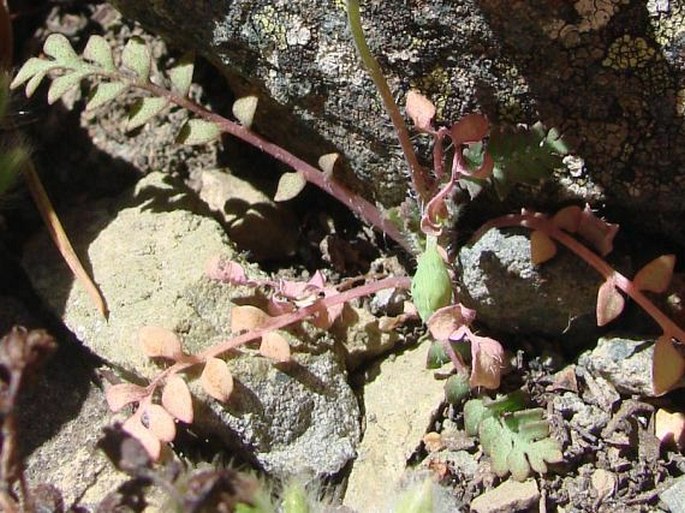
[399, 402]
[510, 496]
[674, 495]
[148, 254]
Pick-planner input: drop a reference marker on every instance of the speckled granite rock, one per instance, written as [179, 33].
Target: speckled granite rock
[510, 294]
[609, 74]
[148, 253]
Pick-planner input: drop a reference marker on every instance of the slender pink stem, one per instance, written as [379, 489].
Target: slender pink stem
[356, 203]
[536, 222]
[281, 321]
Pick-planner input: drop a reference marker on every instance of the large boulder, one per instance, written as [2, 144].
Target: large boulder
[609, 74]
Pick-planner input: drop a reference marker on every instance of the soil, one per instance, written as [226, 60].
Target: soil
[612, 462]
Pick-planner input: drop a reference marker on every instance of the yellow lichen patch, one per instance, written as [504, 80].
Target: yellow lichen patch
[629, 52]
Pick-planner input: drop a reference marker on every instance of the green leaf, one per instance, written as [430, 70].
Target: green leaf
[31, 68]
[181, 75]
[198, 131]
[103, 93]
[59, 48]
[244, 109]
[437, 356]
[524, 155]
[11, 162]
[289, 186]
[417, 499]
[457, 387]
[431, 286]
[475, 412]
[62, 84]
[97, 50]
[136, 57]
[144, 110]
[519, 442]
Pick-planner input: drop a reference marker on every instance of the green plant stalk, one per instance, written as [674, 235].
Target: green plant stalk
[419, 179]
[545, 225]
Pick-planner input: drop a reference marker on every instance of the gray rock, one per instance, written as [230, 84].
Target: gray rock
[625, 362]
[510, 294]
[608, 75]
[148, 254]
[674, 495]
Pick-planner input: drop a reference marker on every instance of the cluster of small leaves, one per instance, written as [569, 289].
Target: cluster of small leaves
[573, 222]
[67, 69]
[526, 154]
[516, 439]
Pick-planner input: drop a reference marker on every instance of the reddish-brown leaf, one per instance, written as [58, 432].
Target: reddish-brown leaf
[160, 422]
[656, 275]
[275, 347]
[177, 400]
[668, 365]
[568, 219]
[542, 248]
[470, 129]
[135, 428]
[247, 318]
[597, 232]
[420, 109]
[447, 321]
[160, 343]
[487, 357]
[217, 379]
[122, 394]
[610, 303]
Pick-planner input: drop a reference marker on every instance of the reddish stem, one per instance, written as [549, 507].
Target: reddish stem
[538, 222]
[281, 321]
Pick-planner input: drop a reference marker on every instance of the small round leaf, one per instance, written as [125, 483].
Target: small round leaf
[160, 422]
[289, 186]
[198, 131]
[159, 342]
[217, 379]
[275, 347]
[176, 399]
[244, 109]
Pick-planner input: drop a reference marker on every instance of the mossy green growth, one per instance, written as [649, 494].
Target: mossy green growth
[431, 287]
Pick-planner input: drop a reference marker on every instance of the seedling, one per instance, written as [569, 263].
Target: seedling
[518, 440]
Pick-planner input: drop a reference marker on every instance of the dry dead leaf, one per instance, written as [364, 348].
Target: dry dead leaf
[217, 379]
[275, 347]
[177, 400]
[420, 109]
[568, 219]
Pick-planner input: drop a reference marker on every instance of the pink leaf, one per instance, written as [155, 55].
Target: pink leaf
[247, 318]
[542, 248]
[160, 343]
[656, 275]
[159, 422]
[487, 356]
[610, 303]
[217, 379]
[470, 129]
[122, 394]
[668, 366]
[275, 347]
[597, 232]
[447, 321]
[435, 212]
[177, 400]
[568, 218]
[218, 268]
[420, 110]
[148, 440]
